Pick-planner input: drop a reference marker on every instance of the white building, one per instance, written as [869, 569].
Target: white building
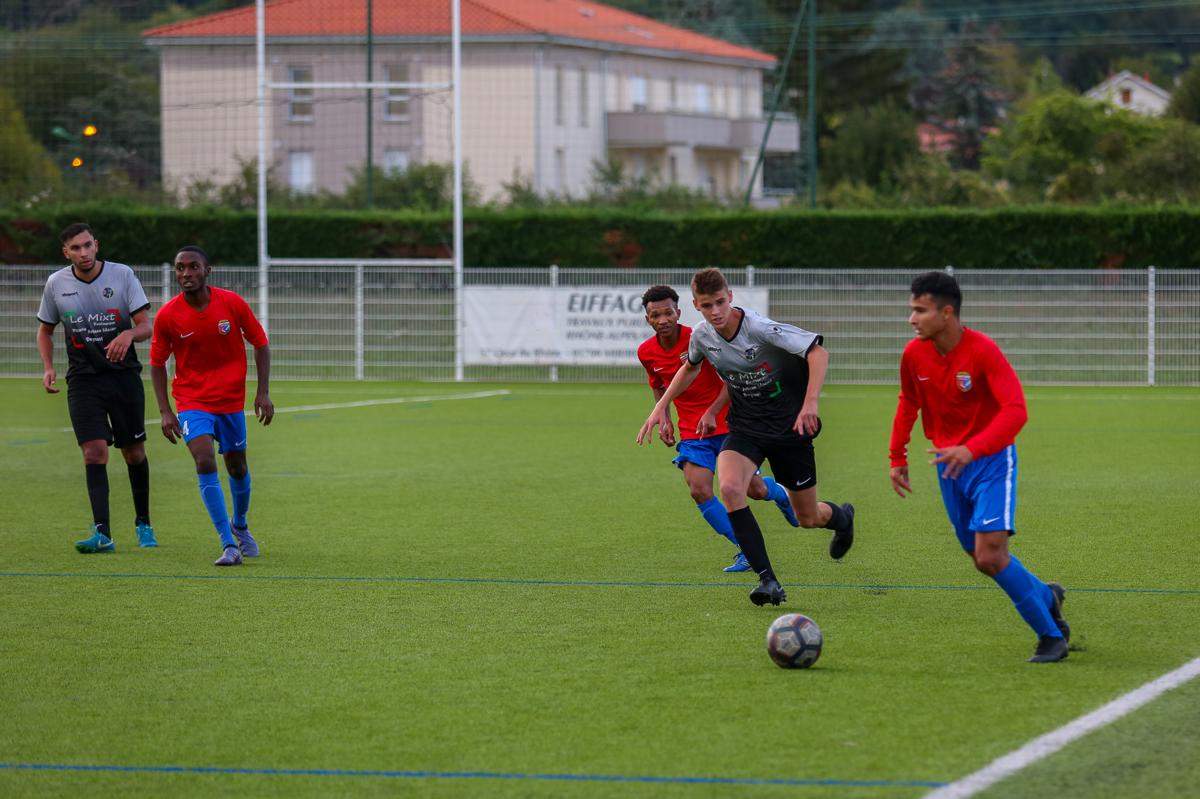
[1133, 93]
[549, 86]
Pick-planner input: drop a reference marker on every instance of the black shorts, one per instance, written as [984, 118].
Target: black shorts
[108, 406]
[793, 462]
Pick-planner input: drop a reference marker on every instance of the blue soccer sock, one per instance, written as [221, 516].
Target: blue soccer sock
[214, 502]
[714, 513]
[239, 487]
[775, 491]
[1030, 596]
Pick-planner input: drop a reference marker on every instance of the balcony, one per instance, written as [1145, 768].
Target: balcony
[654, 129]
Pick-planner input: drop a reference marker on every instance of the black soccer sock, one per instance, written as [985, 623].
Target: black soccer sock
[139, 482]
[97, 487]
[750, 539]
[838, 519]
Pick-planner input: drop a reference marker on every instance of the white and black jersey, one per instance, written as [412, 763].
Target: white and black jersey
[765, 367]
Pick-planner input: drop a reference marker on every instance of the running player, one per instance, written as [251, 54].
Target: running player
[972, 408]
[104, 311]
[661, 355]
[203, 327]
[774, 373]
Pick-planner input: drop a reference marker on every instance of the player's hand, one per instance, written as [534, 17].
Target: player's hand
[119, 346]
[706, 425]
[955, 458]
[170, 427]
[264, 409]
[48, 381]
[808, 423]
[666, 432]
[900, 482]
[657, 418]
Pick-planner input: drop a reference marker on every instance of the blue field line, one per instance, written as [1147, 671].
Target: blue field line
[473, 775]
[558, 583]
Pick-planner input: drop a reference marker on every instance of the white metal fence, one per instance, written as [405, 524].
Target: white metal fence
[1127, 327]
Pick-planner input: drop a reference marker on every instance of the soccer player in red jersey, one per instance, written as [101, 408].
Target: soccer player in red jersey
[972, 408]
[203, 327]
[702, 410]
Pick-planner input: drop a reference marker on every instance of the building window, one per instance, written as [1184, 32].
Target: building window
[673, 89]
[673, 169]
[300, 102]
[1126, 96]
[745, 87]
[703, 98]
[300, 171]
[731, 100]
[395, 161]
[719, 99]
[395, 107]
[560, 170]
[638, 93]
[583, 97]
[558, 95]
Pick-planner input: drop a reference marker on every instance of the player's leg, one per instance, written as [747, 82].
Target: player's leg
[231, 435]
[697, 459]
[736, 465]
[92, 433]
[127, 413]
[795, 467]
[765, 488]
[198, 431]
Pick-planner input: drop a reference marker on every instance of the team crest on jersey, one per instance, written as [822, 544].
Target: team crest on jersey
[108, 292]
[751, 353]
[224, 327]
[964, 381]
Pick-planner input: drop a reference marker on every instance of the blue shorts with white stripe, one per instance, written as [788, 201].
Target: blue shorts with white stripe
[983, 499]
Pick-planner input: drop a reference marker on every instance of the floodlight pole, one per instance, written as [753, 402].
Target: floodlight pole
[260, 47]
[456, 79]
[370, 106]
[811, 122]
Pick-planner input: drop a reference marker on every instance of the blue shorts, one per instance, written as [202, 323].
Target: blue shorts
[229, 429]
[983, 499]
[700, 451]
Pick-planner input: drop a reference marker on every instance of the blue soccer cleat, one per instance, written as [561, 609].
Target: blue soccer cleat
[96, 542]
[740, 564]
[246, 542]
[785, 507]
[232, 556]
[145, 536]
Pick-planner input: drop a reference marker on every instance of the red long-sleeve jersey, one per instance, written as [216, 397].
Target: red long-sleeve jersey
[969, 396]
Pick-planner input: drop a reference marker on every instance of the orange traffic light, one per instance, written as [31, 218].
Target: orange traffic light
[76, 162]
[90, 130]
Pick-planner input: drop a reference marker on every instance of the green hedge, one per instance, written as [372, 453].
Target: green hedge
[1018, 237]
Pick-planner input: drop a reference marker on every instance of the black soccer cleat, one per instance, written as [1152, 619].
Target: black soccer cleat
[1060, 594]
[843, 539]
[1049, 650]
[768, 591]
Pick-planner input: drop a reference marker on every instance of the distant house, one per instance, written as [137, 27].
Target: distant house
[1133, 93]
[548, 88]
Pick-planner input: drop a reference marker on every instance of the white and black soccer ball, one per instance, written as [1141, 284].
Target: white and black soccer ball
[794, 641]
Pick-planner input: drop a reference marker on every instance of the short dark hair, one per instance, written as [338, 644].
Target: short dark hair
[197, 250]
[941, 286]
[658, 294]
[74, 229]
[709, 281]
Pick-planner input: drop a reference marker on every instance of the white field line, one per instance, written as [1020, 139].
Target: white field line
[331, 406]
[1051, 742]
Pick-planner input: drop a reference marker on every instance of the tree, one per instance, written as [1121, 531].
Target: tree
[26, 172]
[1185, 100]
[870, 145]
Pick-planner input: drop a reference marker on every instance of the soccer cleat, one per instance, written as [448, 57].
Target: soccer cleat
[145, 536]
[785, 507]
[246, 542]
[232, 556]
[1059, 594]
[96, 542]
[768, 591]
[1049, 650]
[842, 540]
[740, 564]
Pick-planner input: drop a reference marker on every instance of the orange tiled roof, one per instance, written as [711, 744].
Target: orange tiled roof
[570, 19]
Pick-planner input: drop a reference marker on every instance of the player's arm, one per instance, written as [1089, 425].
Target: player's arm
[661, 416]
[141, 330]
[808, 421]
[160, 351]
[907, 408]
[708, 422]
[1005, 387]
[45, 345]
[264, 409]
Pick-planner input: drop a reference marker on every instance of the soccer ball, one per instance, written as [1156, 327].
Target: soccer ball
[794, 641]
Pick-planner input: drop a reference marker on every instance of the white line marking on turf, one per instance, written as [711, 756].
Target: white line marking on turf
[331, 406]
[1051, 742]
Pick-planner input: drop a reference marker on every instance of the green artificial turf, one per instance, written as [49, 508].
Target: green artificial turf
[507, 585]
